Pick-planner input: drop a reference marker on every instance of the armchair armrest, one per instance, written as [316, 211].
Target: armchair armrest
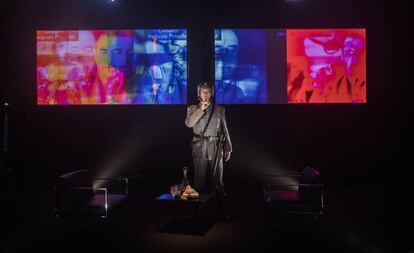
[95, 189]
[119, 181]
[307, 185]
[286, 180]
[283, 175]
[268, 185]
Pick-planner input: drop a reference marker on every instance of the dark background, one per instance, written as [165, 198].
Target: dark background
[352, 144]
[362, 150]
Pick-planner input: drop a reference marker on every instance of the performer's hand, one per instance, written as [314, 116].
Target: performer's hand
[227, 156]
[205, 105]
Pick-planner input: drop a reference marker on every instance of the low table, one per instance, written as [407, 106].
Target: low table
[185, 216]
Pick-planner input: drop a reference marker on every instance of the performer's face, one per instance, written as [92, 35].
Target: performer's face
[205, 95]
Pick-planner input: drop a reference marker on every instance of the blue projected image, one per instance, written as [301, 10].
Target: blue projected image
[164, 59]
[240, 66]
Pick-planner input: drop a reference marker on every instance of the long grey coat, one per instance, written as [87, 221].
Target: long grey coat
[197, 119]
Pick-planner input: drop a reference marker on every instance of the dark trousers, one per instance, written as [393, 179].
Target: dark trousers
[206, 180]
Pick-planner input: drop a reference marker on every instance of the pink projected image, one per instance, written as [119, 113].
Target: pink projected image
[326, 66]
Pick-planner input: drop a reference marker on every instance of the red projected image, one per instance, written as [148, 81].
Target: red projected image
[326, 66]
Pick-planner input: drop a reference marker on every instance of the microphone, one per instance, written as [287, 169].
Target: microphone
[155, 90]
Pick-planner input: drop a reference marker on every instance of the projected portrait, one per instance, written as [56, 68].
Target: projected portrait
[112, 67]
[165, 68]
[240, 66]
[326, 66]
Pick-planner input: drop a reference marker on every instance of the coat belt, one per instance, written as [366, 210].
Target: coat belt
[207, 138]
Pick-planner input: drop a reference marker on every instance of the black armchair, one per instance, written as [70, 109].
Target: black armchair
[301, 193]
[75, 195]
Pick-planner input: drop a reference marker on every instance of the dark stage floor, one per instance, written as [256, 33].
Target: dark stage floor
[355, 220]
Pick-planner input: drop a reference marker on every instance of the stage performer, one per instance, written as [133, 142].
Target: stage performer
[210, 144]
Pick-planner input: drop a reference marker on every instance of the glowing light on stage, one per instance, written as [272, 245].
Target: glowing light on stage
[262, 162]
[118, 161]
[131, 148]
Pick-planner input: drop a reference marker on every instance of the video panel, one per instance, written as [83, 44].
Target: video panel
[78, 67]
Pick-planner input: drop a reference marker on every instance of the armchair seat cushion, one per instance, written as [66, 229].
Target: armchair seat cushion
[284, 195]
[284, 200]
[95, 205]
[114, 200]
